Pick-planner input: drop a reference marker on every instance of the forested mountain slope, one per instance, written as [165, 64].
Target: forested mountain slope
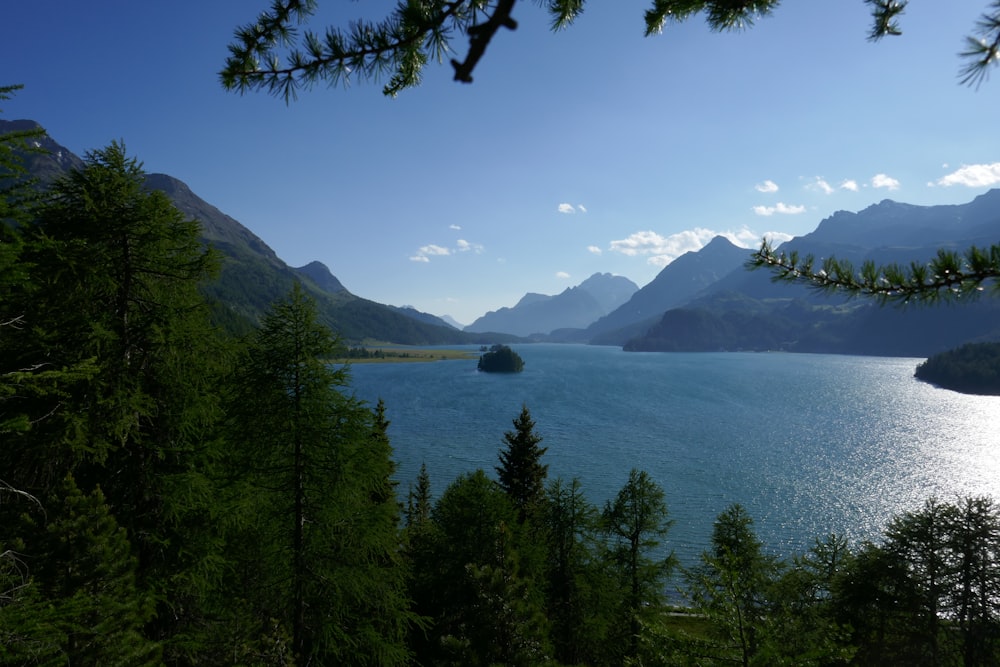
[252, 276]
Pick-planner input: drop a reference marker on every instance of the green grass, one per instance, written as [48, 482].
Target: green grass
[404, 354]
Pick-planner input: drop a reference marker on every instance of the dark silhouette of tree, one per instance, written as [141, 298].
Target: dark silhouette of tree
[521, 471]
[83, 604]
[418, 501]
[472, 539]
[580, 599]
[973, 368]
[501, 359]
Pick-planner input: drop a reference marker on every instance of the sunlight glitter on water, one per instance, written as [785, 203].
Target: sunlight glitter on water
[810, 444]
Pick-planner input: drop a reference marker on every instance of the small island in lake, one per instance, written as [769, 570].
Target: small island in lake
[501, 359]
[973, 368]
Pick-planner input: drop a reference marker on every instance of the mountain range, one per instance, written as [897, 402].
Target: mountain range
[745, 310]
[577, 306]
[704, 300]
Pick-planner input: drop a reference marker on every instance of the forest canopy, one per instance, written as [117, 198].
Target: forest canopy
[973, 368]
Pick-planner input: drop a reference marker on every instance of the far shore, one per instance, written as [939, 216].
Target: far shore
[381, 354]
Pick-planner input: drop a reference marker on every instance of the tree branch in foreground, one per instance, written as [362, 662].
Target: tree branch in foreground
[949, 276]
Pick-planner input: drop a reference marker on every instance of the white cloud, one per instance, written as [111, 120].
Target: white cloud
[461, 245]
[465, 246]
[884, 181]
[570, 209]
[973, 176]
[780, 207]
[661, 250]
[849, 184]
[457, 228]
[744, 238]
[562, 275]
[594, 250]
[766, 187]
[640, 243]
[434, 250]
[820, 185]
[776, 238]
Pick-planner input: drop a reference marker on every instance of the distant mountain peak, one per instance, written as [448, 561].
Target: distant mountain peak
[677, 283]
[718, 244]
[320, 274]
[452, 321]
[319, 266]
[573, 308]
[532, 297]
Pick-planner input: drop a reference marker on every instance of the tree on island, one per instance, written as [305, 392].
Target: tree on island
[273, 55]
[501, 359]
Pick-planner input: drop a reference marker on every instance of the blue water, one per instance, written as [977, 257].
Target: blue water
[810, 444]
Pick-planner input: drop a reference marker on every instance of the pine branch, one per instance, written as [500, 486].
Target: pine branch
[950, 276]
[401, 43]
[480, 36]
[270, 54]
[721, 15]
[982, 50]
[884, 15]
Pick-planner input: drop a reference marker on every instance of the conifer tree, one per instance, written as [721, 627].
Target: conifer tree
[115, 271]
[972, 600]
[84, 605]
[314, 494]
[505, 624]
[111, 305]
[31, 388]
[521, 472]
[418, 500]
[805, 628]
[578, 597]
[731, 586]
[472, 569]
[636, 522]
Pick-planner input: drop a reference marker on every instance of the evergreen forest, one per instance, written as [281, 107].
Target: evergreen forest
[176, 493]
[500, 359]
[973, 368]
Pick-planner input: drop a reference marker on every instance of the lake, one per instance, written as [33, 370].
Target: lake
[809, 444]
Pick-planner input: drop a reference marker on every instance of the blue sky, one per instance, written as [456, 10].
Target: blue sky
[592, 149]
